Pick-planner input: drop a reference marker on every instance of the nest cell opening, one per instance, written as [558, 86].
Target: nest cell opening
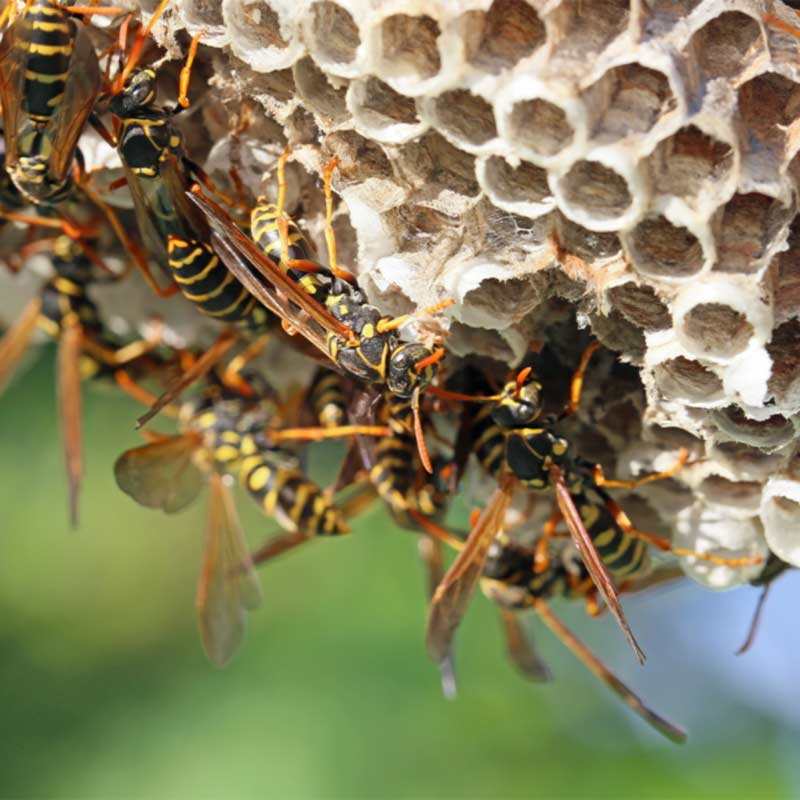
[691, 162]
[748, 223]
[728, 44]
[409, 47]
[465, 117]
[596, 191]
[784, 277]
[780, 514]
[768, 104]
[436, 167]
[742, 495]
[333, 38]
[683, 378]
[498, 38]
[256, 26]
[359, 158]
[784, 350]
[637, 98]
[513, 298]
[526, 183]
[201, 12]
[640, 305]
[381, 104]
[318, 94]
[663, 250]
[717, 330]
[770, 433]
[583, 243]
[591, 26]
[540, 126]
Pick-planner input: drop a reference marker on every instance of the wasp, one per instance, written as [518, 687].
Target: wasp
[328, 310]
[773, 569]
[225, 432]
[519, 448]
[64, 310]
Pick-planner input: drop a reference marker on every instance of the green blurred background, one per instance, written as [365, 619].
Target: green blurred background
[105, 692]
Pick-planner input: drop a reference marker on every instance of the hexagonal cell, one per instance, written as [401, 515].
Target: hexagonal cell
[690, 163]
[784, 350]
[634, 98]
[409, 47]
[780, 514]
[588, 27]
[415, 227]
[685, 379]
[672, 438]
[594, 191]
[332, 37]
[746, 461]
[784, 277]
[516, 297]
[616, 333]
[748, 223]
[770, 433]
[434, 167]
[768, 105]
[717, 329]
[360, 160]
[659, 249]
[640, 304]
[587, 245]
[498, 38]
[727, 45]
[466, 119]
[540, 126]
[521, 189]
[382, 113]
[258, 35]
[744, 496]
[313, 86]
[206, 16]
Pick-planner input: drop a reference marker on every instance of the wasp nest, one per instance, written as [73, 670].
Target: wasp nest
[633, 161]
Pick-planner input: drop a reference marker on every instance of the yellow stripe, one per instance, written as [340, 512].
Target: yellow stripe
[304, 491]
[201, 298]
[200, 275]
[605, 538]
[50, 49]
[51, 27]
[259, 478]
[231, 307]
[30, 75]
[182, 262]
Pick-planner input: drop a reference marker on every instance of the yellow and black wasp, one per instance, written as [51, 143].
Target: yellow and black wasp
[64, 310]
[519, 449]
[225, 432]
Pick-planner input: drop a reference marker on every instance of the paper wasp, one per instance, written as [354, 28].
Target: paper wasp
[225, 432]
[519, 448]
[64, 311]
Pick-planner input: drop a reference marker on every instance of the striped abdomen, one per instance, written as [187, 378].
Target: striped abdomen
[624, 556]
[64, 301]
[206, 282]
[488, 441]
[49, 49]
[326, 399]
[290, 497]
[394, 470]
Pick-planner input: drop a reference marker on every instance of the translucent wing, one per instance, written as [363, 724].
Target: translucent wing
[604, 674]
[520, 649]
[161, 475]
[15, 341]
[80, 93]
[69, 404]
[452, 596]
[591, 559]
[228, 585]
[13, 58]
[265, 279]
[430, 551]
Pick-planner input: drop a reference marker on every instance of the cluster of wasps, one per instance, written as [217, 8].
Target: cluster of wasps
[260, 278]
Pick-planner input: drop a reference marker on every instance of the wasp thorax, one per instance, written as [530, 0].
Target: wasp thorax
[519, 405]
[402, 376]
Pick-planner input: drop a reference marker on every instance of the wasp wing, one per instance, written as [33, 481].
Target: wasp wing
[452, 596]
[228, 585]
[520, 648]
[589, 556]
[15, 342]
[81, 89]
[162, 474]
[69, 403]
[265, 279]
[13, 61]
